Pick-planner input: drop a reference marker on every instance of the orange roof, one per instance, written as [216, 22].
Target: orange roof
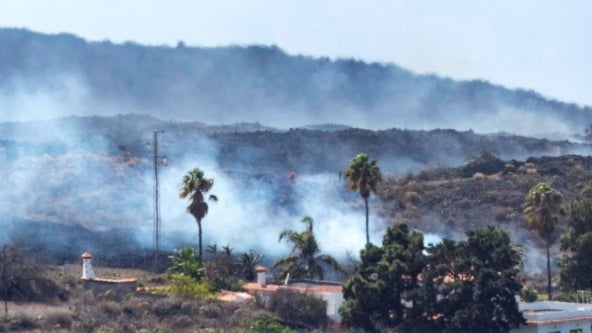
[260, 268]
[301, 287]
[233, 296]
[86, 255]
[254, 286]
[104, 280]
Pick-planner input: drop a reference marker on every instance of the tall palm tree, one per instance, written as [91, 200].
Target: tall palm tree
[194, 187]
[541, 209]
[304, 261]
[363, 175]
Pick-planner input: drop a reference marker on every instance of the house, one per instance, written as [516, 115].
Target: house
[101, 285]
[330, 292]
[556, 317]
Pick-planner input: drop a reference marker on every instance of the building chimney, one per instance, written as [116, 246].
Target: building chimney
[261, 275]
[87, 269]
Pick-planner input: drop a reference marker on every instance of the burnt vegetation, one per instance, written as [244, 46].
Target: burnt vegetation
[79, 183]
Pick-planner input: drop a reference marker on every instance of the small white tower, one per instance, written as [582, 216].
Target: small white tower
[87, 269]
[261, 275]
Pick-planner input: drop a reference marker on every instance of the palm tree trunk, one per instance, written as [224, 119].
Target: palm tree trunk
[367, 232]
[549, 290]
[199, 244]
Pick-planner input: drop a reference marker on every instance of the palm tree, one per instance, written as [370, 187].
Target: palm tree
[186, 261]
[541, 209]
[194, 186]
[363, 175]
[304, 261]
[247, 263]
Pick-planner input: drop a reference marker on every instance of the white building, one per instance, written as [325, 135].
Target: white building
[330, 292]
[556, 317]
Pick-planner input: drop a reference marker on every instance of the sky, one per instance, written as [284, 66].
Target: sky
[543, 45]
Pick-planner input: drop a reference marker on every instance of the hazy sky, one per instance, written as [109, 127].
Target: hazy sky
[545, 45]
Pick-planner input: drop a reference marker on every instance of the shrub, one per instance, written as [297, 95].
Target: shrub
[59, 320]
[181, 322]
[110, 308]
[186, 262]
[186, 287]
[267, 324]
[529, 294]
[299, 309]
[166, 307]
[22, 323]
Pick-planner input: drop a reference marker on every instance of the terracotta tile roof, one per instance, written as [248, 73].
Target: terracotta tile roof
[254, 286]
[104, 280]
[301, 287]
[233, 296]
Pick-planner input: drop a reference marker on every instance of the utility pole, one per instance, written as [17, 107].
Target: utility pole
[158, 160]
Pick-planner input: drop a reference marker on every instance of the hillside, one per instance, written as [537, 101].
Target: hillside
[82, 175]
[66, 75]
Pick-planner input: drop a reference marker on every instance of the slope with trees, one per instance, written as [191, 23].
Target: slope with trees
[176, 79]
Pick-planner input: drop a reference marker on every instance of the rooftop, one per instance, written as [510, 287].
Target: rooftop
[303, 286]
[546, 312]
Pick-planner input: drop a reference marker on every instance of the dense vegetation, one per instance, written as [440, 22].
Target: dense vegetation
[466, 286]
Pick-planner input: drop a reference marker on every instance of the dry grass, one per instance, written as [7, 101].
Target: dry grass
[36, 310]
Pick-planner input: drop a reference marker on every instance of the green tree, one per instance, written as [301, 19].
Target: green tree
[195, 185]
[381, 294]
[476, 282]
[304, 261]
[247, 263]
[541, 208]
[16, 274]
[576, 265]
[466, 286]
[186, 262]
[363, 175]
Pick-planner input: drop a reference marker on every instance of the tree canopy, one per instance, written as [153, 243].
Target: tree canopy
[465, 286]
[375, 296]
[576, 265]
[16, 274]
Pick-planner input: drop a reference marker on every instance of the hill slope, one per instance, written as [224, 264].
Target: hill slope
[62, 74]
[97, 173]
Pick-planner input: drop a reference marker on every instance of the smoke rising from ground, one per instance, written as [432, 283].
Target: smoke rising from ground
[249, 218]
[66, 175]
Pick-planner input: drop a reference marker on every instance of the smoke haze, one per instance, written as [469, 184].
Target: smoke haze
[95, 171]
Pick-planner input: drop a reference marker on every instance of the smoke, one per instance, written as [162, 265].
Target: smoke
[44, 98]
[249, 214]
[62, 75]
[62, 174]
